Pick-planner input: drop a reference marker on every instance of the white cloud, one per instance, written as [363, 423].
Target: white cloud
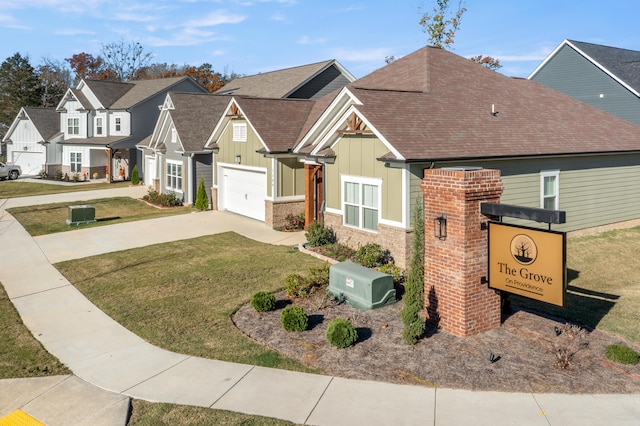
[185, 37]
[309, 40]
[361, 55]
[73, 32]
[216, 18]
[8, 21]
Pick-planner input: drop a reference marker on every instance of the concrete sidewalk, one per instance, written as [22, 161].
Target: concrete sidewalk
[101, 352]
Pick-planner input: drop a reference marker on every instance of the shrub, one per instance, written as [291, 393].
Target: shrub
[621, 354]
[370, 255]
[294, 318]
[319, 235]
[412, 312]
[294, 222]
[319, 276]
[263, 301]
[135, 176]
[58, 175]
[296, 286]
[202, 201]
[164, 200]
[341, 333]
[391, 269]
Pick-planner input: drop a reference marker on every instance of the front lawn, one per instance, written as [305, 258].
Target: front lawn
[21, 355]
[51, 218]
[181, 295]
[14, 189]
[604, 283]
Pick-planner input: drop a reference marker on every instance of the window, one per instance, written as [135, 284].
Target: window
[73, 126]
[239, 132]
[118, 124]
[75, 162]
[174, 175]
[549, 189]
[361, 203]
[98, 125]
[174, 135]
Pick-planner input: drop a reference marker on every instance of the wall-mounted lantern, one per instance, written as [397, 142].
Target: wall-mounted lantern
[237, 159]
[440, 226]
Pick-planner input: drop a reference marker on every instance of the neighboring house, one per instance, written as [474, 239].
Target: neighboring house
[311, 81]
[32, 141]
[174, 155]
[102, 122]
[605, 77]
[254, 171]
[436, 109]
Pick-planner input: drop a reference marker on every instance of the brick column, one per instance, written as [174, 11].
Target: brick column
[455, 298]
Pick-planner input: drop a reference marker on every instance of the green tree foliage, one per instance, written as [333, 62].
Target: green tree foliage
[412, 313]
[442, 25]
[19, 86]
[55, 78]
[202, 201]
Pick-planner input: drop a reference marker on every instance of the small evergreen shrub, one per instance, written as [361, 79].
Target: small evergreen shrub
[58, 175]
[319, 277]
[370, 255]
[412, 313]
[621, 354]
[319, 235]
[135, 176]
[202, 201]
[294, 318]
[391, 269]
[296, 286]
[263, 301]
[341, 333]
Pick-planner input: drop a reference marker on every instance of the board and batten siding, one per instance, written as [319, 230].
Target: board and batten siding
[290, 177]
[572, 74]
[246, 150]
[594, 190]
[203, 169]
[357, 156]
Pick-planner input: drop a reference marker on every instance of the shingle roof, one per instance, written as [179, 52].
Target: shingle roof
[623, 63]
[194, 117]
[274, 84]
[46, 120]
[434, 105]
[144, 89]
[277, 121]
[98, 141]
[108, 92]
[81, 98]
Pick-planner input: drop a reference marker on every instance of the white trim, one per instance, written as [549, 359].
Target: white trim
[274, 178]
[190, 172]
[406, 197]
[239, 133]
[217, 129]
[242, 167]
[550, 173]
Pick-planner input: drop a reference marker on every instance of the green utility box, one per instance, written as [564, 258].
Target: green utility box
[81, 214]
[363, 288]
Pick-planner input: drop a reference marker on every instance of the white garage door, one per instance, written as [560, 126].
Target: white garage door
[31, 163]
[243, 192]
[149, 170]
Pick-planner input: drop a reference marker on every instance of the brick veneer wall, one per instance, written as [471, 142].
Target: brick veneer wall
[455, 298]
[277, 211]
[396, 240]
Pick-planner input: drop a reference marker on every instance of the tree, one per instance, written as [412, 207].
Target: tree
[206, 76]
[87, 67]
[412, 313]
[442, 25]
[126, 60]
[202, 201]
[54, 78]
[19, 86]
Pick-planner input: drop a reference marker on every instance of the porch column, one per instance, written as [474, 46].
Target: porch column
[455, 297]
[312, 193]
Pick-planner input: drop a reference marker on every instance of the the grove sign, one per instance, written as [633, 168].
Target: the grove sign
[528, 262]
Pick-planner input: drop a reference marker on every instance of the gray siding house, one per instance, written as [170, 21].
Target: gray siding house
[602, 76]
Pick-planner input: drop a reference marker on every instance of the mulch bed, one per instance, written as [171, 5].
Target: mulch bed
[528, 354]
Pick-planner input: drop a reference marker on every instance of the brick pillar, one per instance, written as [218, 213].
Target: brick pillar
[455, 298]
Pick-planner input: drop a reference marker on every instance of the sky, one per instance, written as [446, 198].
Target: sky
[255, 36]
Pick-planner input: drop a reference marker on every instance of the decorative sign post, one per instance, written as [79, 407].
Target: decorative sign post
[528, 262]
